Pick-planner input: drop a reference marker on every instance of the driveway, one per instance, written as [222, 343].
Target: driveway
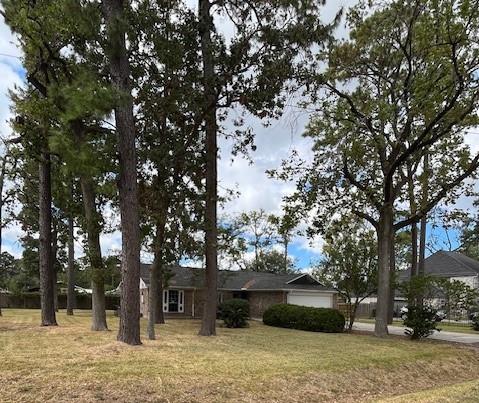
[442, 335]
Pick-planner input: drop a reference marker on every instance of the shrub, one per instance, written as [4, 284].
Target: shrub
[421, 321]
[304, 318]
[234, 312]
[475, 322]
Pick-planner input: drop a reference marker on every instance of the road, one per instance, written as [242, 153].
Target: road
[442, 335]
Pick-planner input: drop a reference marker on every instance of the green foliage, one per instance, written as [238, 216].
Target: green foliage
[234, 312]
[421, 321]
[304, 318]
[458, 296]
[259, 233]
[475, 323]
[419, 287]
[349, 263]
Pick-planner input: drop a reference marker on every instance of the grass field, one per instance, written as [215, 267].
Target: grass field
[257, 364]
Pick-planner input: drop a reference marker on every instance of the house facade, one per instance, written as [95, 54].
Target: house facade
[184, 295]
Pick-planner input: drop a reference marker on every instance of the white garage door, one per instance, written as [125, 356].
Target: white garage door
[317, 300]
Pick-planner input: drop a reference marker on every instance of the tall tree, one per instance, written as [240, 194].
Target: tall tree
[170, 138]
[115, 19]
[405, 83]
[208, 324]
[251, 70]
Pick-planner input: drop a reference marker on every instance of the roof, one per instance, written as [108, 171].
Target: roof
[189, 277]
[447, 264]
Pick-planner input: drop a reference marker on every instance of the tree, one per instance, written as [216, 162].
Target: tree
[273, 261]
[115, 19]
[350, 262]
[260, 234]
[251, 70]
[206, 26]
[458, 296]
[404, 85]
[171, 142]
[284, 228]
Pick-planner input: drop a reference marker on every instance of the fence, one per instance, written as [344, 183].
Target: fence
[32, 301]
[368, 310]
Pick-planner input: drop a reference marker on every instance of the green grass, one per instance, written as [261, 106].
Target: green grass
[260, 363]
[445, 326]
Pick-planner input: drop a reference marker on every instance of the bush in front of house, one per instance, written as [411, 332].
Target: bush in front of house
[234, 312]
[421, 321]
[326, 320]
[475, 322]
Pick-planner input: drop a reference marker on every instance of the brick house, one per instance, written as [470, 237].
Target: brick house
[184, 296]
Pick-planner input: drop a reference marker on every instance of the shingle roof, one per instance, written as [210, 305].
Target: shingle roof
[189, 277]
[447, 264]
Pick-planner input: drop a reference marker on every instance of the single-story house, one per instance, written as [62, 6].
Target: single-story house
[185, 292]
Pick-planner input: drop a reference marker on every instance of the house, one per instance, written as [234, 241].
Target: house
[451, 265]
[185, 293]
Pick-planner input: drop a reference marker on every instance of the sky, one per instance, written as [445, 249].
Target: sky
[257, 191]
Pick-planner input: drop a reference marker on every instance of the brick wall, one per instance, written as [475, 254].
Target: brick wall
[259, 301]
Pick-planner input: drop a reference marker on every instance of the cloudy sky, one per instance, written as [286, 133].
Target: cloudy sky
[274, 143]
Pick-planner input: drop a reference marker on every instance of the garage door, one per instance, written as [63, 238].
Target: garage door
[317, 300]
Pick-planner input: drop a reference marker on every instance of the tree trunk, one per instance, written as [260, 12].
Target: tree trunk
[155, 296]
[422, 245]
[45, 242]
[71, 299]
[208, 325]
[54, 263]
[392, 270]
[423, 223]
[129, 329]
[160, 316]
[94, 255]
[385, 232]
[414, 234]
[353, 308]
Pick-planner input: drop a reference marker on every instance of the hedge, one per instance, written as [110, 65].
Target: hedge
[304, 318]
[32, 301]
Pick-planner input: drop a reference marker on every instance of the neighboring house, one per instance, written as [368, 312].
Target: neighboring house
[451, 265]
[185, 293]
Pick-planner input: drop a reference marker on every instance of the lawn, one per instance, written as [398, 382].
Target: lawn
[260, 363]
[445, 326]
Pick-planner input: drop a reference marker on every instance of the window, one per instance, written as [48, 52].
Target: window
[173, 301]
[220, 298]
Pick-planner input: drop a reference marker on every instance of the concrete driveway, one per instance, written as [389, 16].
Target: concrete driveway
[442, 335]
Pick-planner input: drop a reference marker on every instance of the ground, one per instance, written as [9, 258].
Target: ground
[260, 363]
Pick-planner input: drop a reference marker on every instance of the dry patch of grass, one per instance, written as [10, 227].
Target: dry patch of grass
[71, 363]
[465, 392]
